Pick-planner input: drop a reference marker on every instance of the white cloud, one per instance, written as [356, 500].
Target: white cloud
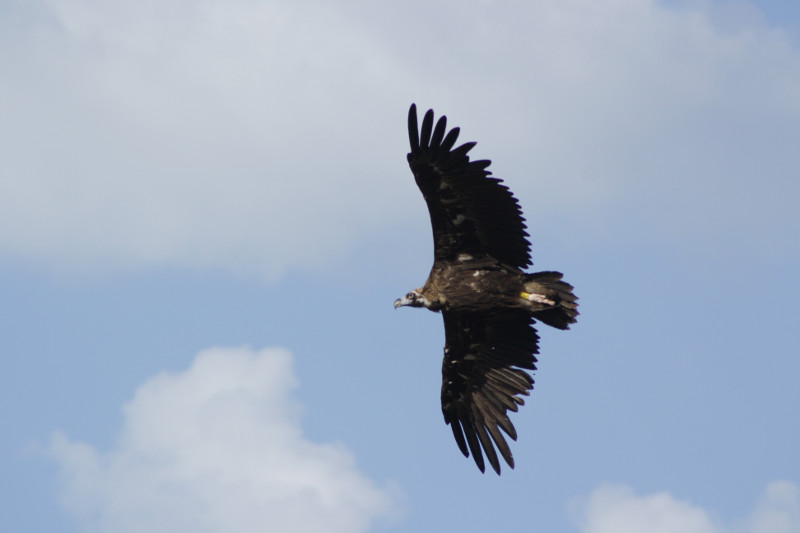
[218, 448]
[617, 509]
[200, 134]
[778, 511]
[262, 136]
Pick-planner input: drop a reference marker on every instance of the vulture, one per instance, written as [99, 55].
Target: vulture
[488, 302]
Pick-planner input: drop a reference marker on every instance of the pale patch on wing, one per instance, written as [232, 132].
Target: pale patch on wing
[537, 298]
[465, 257]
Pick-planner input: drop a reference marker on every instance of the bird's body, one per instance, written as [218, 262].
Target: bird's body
[482, 287]
[477, 282]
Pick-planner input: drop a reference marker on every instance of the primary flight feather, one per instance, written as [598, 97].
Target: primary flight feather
[488, 303]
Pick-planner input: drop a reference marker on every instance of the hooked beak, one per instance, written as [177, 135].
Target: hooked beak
[400, 302]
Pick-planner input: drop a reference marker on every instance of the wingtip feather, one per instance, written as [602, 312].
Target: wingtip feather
[458, 433]
[438, 132]
[413, 129]
[427, 129]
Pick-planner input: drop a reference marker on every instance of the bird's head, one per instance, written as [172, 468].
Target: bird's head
[412, 299]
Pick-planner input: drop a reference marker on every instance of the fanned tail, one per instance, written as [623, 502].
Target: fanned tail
[551, 299]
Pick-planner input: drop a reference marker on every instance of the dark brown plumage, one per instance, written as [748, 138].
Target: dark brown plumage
[488, 303]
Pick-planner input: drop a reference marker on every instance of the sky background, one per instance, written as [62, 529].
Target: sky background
[206, 214]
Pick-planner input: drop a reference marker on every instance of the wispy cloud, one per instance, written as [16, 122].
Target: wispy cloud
[618, 509]
[218, 448]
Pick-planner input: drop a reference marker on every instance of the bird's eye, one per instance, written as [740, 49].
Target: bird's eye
[411, 296]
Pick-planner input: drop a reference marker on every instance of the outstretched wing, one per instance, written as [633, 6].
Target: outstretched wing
[482, 378]
[474, 216]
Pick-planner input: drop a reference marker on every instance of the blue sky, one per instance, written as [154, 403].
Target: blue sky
[206, 214]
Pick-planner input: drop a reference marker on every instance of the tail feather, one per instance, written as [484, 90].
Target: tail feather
[564, 309]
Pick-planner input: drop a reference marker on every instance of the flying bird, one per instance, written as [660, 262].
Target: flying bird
[488, 303]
